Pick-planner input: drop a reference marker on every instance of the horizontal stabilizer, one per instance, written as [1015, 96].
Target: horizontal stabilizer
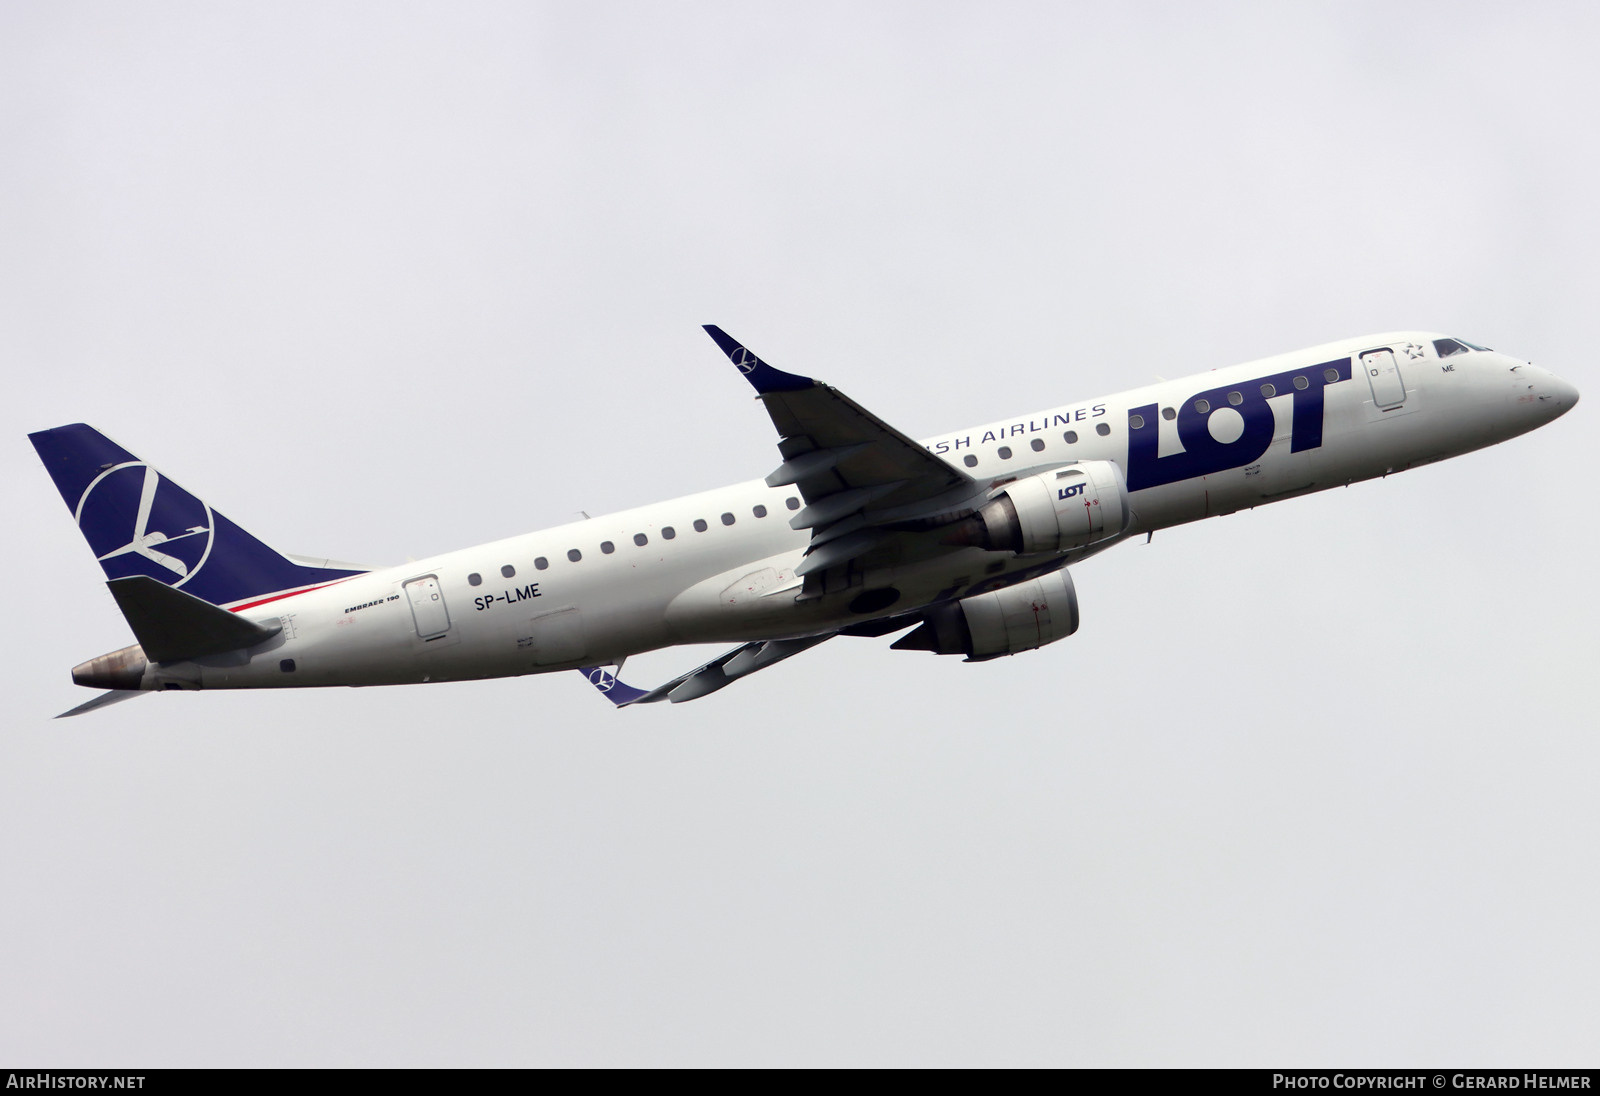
[110, 696]
[170, 624]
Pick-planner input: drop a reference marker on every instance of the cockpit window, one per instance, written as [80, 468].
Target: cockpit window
[1447, 348]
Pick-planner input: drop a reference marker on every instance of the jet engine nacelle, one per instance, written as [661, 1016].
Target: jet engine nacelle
[1054, 511]
[1002, 622]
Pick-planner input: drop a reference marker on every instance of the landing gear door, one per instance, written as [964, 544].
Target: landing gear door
[1383, 373]
[428, 609]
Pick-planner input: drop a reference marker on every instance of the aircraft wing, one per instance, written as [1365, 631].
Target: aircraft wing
[719, 673]
[859, 476]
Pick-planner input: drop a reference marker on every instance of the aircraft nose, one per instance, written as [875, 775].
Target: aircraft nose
[1556, 395]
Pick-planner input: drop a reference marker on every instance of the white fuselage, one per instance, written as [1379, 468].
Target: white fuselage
[719, 566]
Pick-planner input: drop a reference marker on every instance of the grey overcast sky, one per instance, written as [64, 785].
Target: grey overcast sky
[1313, 784]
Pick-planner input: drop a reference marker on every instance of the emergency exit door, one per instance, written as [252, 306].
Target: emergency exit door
[427, 606]
[1383, 373]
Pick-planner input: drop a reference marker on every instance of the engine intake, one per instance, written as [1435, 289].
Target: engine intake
[1002, 622]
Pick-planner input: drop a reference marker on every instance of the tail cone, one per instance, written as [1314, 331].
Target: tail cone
[122, 669]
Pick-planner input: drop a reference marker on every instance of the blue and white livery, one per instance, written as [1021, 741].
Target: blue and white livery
[963, 542]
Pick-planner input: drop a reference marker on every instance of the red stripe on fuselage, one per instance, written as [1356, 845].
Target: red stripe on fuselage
[280, 597]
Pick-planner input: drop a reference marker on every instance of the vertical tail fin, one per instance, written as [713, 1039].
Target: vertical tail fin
[139, 522]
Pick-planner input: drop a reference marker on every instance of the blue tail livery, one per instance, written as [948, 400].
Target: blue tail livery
[972, 540]
[139, 522]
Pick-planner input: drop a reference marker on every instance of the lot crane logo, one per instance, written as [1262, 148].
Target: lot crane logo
[141, 524]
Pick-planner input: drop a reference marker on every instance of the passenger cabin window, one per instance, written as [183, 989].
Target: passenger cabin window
[1449, 348]
[540, 564]
[760, 511]
[1330, 375]
[508, 571]
[668, 532]
[1070, 437]
[700, 525]
[574, 555]
[1103, 429]
[1169, 413]
[1301, 383]
[727, 519]
[792, 503]
[607, 547]
[640, 539]
[1135, 422]
[970, 461]
[1038, 445]
[1202, 406]
[474, 579]
[1005, 452]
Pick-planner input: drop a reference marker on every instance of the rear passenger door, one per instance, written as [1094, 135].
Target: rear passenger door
[428, 610]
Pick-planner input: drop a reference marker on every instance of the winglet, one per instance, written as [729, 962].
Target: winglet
[610, 686]
[761, 376]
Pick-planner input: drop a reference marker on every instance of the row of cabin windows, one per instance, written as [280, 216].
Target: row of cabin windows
[607, 547]
[1037, 444]
[1235, 398]
[1136, 422]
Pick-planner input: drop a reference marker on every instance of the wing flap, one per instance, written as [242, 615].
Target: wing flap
[840, 550]
[863, 450]
[813, 463]
[831, 507]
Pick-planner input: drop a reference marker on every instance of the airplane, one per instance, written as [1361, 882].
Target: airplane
[964, 542]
